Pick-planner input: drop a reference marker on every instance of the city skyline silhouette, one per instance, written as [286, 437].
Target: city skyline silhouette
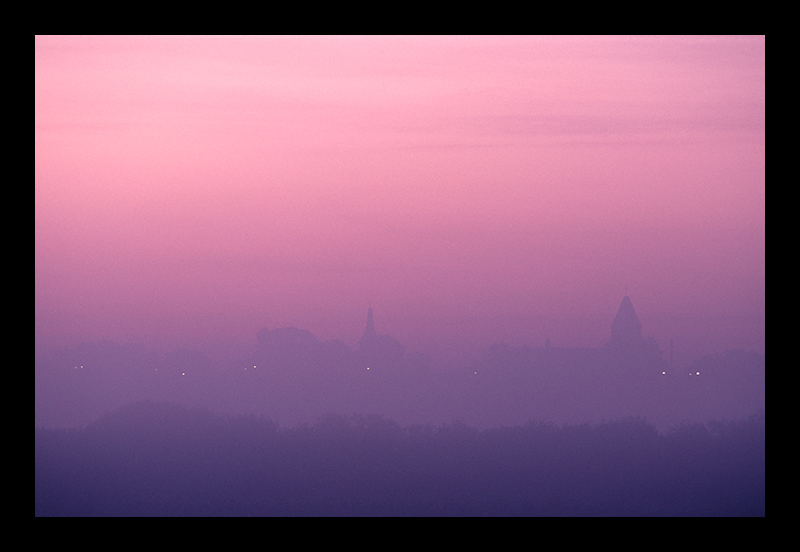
[434, 231]
[294, 376]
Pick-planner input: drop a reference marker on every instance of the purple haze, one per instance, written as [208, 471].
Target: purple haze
[495, 230]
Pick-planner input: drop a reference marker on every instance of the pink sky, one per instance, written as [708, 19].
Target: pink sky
[473, 189]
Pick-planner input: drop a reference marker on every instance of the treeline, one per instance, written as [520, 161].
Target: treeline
[159, 459]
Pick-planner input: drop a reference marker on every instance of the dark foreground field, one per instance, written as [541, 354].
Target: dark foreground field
[157, 459]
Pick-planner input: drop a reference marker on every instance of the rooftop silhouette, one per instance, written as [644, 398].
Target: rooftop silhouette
[626, 330]
[626, 350]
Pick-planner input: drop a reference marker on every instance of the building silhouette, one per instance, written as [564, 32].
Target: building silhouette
[625, 350]
[378, 351]
[626, 330]
[286, 350]
[370, 337]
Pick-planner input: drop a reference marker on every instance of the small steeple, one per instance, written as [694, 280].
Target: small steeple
[370, 336]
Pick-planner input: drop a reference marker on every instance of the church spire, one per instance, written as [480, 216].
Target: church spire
[370, 336]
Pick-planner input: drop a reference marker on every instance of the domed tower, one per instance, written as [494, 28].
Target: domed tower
[626, 331]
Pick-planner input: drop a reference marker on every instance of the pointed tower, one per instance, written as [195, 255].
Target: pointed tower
[381, 350]
[626, 331]
[370, 337]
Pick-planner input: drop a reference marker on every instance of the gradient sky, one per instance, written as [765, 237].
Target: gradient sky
[470, 189]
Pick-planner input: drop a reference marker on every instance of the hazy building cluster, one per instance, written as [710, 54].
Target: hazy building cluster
[310, 427]
[293, 377]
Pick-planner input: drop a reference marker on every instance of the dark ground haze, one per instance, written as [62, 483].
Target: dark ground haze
[309, 427]
[400, 275]
[158, 459]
